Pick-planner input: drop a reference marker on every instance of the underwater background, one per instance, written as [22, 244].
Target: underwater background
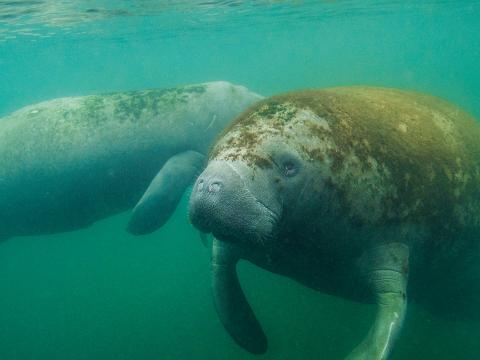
[100, 293]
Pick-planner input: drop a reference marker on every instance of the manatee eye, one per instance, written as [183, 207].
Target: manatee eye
[287, 163]
[289, 169]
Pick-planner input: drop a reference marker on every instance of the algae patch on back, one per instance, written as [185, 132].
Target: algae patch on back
[137, 106]
[240, 139]
[55, 131]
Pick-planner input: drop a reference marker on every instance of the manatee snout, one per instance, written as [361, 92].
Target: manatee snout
[225, 203]
[205, 203]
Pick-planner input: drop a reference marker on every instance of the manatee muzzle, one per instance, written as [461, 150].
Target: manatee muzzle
[224, 203]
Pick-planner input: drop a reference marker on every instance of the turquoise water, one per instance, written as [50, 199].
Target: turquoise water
[100, 293]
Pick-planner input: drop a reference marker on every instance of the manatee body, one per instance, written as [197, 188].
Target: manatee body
[68, 162]
[354, 191]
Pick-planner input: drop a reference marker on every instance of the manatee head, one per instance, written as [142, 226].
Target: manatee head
[264, 173]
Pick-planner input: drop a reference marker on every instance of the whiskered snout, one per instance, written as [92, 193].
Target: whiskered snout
[205, 202]
[227, 202]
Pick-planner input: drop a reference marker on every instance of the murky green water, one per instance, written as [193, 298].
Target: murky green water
[100, 293]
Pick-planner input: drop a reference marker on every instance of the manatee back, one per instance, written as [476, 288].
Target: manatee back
[423, 151]
[394, 156]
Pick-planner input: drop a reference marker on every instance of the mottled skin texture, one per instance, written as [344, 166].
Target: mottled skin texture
[68, 162]
[348, 190]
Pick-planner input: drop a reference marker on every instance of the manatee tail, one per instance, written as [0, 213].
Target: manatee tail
[232, 307]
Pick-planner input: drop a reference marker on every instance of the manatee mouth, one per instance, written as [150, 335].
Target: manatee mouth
[258, 227]
[260, 234]
[223, 203]
[270, 217]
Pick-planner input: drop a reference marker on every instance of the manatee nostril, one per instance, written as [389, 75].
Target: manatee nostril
[200, 185]
[214, 187]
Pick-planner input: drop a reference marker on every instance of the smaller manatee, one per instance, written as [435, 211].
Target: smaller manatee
[69, 162]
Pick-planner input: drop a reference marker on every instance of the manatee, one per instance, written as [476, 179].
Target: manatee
[68, 162]
[359, 192]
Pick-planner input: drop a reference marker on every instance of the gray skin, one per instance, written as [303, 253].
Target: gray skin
[348, 191]
[68, 162]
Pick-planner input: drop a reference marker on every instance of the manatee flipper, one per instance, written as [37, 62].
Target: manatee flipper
[385, 269]
[231, 304]
[164, 192]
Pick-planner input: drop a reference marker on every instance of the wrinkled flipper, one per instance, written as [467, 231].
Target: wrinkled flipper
[164, 192]
[385, 269]
[232, 307]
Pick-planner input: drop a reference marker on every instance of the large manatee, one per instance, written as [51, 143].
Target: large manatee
[351, 191]
[68, 162]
